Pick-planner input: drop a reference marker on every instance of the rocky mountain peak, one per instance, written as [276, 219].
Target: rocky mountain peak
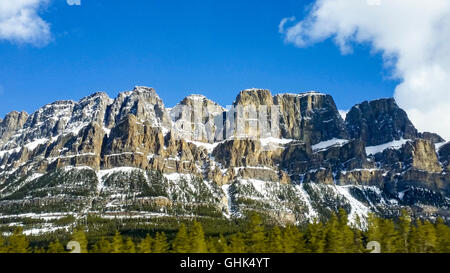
[197, 100]
[379, 121]
[49, 121]
[13, 121]
[90, 109]
[197, 118]
[312, 117]
[254, 96]
[96, 96]
[145, 89]
[277, 153]
[432, 137]
[144, 103]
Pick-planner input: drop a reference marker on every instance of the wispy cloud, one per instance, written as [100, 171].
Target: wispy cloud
[21, 23]
[284, 22]
[413, 37]
[74, 2]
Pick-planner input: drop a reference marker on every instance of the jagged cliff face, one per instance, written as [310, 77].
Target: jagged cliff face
[311, 117]
[444, 156]
[12, 122]
[197, 118]
[380, 121]
[289, 155]
[143, 103]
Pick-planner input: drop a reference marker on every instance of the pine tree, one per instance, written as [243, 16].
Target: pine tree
[211, 244]
[129, 246]
[39, 250]
[18, 243]
[217, 245]
[237, 243]
[374, 231]
[160, 244]
[181, 243]
[390, 236]
[418, 238]
[102, 246]
[117, 243]
[404, 228]
[145, 246]
[222, 245]
[333, 236]
[358, 241]
[255, 236]
[443, 233]
[3, 248]
[275, 241]
[80, 237]
[339, 237]
[56, 247]
[413, 239]
[293, 241]
[350, 243]
[430, 239]
[315, 238]
[197, 238]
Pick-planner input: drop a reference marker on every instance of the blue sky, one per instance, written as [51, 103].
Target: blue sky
[215, 48]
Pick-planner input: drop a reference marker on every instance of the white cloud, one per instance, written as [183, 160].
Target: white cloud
[20, 22]
[284, 21]
[74, 2]
[413, 36]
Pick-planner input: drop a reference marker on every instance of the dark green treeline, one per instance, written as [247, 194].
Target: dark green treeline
[335, 236]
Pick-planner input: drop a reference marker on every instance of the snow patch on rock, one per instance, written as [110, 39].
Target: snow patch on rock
[396, 144]
[324, 145]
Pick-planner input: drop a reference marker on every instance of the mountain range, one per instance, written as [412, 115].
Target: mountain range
[292, 157]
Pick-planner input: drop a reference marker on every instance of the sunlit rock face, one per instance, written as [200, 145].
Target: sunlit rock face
[197, 118]
[142, 102]
[311, 117]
